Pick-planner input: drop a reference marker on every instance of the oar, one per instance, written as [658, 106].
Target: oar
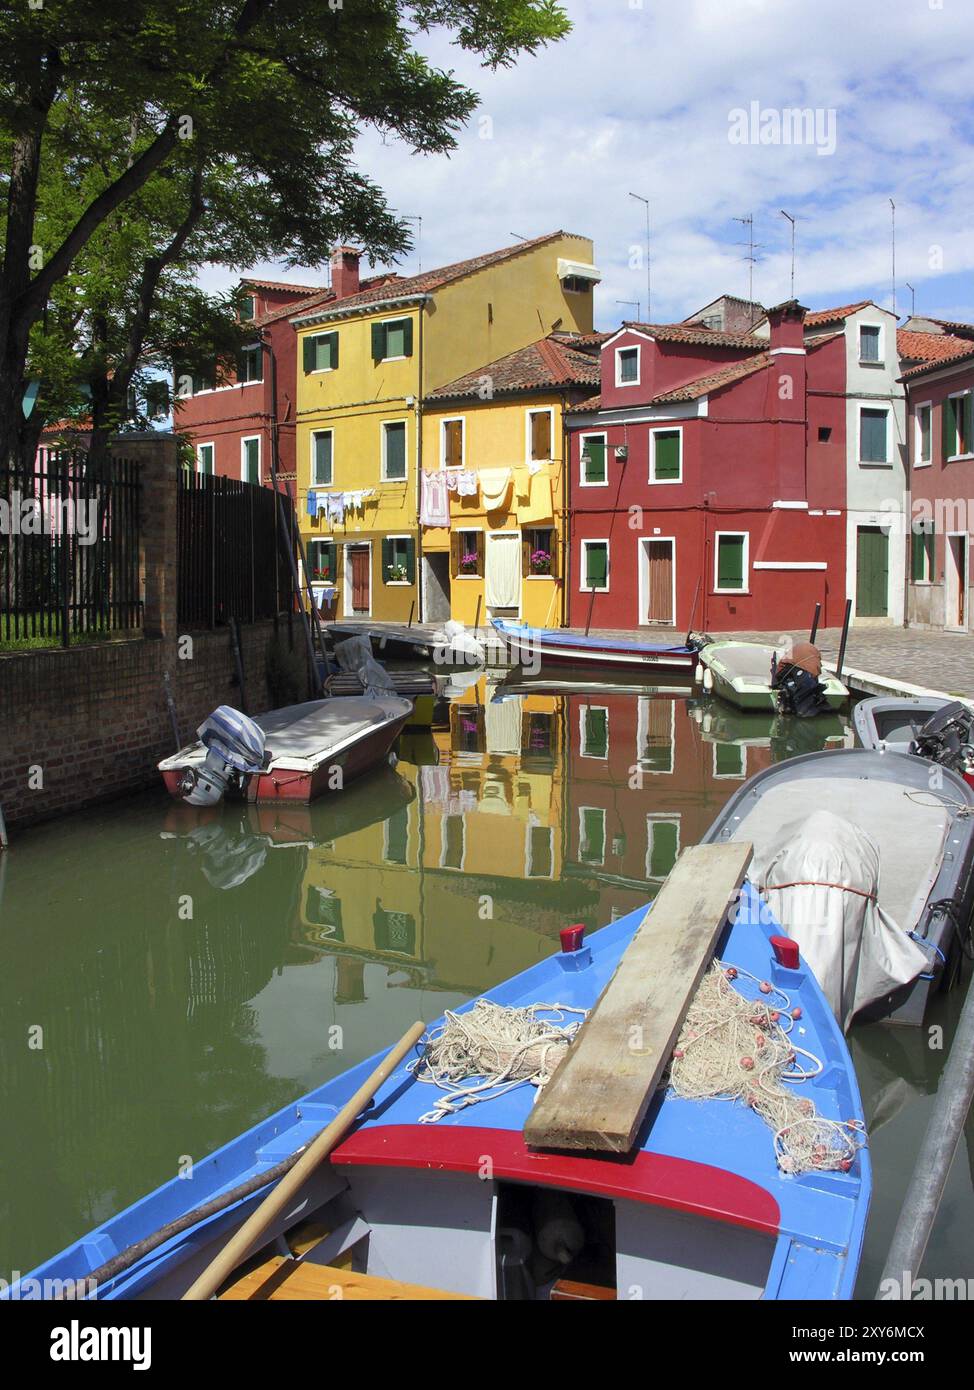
[248, 1236]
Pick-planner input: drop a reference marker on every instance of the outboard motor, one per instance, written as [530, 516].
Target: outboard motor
[234, 747]
[948, 738]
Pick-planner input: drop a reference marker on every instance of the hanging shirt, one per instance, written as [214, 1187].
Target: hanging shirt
[312, 504]
[435, 509]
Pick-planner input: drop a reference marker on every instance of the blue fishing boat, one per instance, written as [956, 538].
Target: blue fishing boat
[528, 645]
[703, 1206]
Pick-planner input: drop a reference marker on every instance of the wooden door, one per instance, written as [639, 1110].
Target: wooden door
[956, 581]
[659, 582]
[872, 572]
[360, 557]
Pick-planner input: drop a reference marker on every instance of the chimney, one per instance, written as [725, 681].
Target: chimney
[786, 322]
[344, 271]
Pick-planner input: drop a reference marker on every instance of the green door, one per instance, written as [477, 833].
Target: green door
[872, 572]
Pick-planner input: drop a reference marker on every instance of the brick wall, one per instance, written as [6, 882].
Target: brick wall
[92, 722]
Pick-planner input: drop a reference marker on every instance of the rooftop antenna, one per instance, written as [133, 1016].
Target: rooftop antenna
[633, 303]
[893, 246]
[913, 298]
[752, 247]
[517, 237]
[792, 220]
[649, 270]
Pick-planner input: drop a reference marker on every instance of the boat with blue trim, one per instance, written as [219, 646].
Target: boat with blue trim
[700, 1208]
[529, 645]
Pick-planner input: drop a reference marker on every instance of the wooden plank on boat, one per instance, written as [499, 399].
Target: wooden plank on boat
[601, 1090]
[282, 1280]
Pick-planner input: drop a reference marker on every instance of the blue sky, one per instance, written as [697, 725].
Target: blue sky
[640, 98]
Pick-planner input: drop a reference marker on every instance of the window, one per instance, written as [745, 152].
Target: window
[537, 737]
[247, 308]
[958, 431]
[872, 435]
[320, 352]
[157, 399]
[392, 339]
[662, 845]
[923, 435]
[595, 566]
[250, 459]
[594, 468]
[322, 458]
[593, 731]
[576, 284]
[394, 451]
[452, 844]
[397, 836]
[627, 366]
[468, 728]
[451, 443]
[730, 760]
[591, 835]
[922, 552]
[870, 343]
[824, 433]
[250, 365]
[394, 931]
[656, 735]
[204, 458]
[467, 550]
[539, 430]
[323, 561]
[398, 559]
[540, 552]
[666, 456]
[540, 852]
[325, 910]
[731, 562]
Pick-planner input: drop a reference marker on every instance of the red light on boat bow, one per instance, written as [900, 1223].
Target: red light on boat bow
[785, 951]
[572, 937]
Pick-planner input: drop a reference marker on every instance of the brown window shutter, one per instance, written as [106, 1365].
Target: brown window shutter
[555, 549]
[480, 553]
[454, 553]
[541, 435]
[525, 558]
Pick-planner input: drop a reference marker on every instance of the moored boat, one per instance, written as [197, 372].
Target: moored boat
[529, 646]
[869, 866]
[741, 673]
[292, 754]
[702, 1208]
[891, 722]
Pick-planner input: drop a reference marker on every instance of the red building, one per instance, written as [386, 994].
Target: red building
[940, 451]
[708, 478]
[230, 423]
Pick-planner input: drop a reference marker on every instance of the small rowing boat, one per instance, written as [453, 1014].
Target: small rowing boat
[741, 673]
[430, 1196]
[890, 723]
[531, 646]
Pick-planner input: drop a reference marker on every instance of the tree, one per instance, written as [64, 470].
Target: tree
[268, 92]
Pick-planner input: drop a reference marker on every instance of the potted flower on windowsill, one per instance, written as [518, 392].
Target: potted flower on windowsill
[540, 562]
[468, 564]
[397, 574]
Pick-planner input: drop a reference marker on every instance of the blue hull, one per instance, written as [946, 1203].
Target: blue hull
[710, 1163]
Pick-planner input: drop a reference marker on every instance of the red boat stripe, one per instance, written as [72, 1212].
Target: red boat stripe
[678, 1183]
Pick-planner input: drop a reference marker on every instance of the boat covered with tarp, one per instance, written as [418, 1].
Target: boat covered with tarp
[529, 646]
[745, 1186]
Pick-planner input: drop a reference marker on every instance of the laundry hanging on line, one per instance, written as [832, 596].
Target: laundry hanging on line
[434, 504]
[495, 483]
[462, 481]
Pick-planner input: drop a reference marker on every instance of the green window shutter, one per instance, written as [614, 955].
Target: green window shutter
[596, 565]
[667, 455]
[333, 355]
[378, 341]
[730, 562]
[663, 848]
[916, 557]
[387, 558]
[411, 559]
[329, 560]
[872, 436]
[947, 428]
[310, 343]
[596, 732]
[407, 338]
[323, 463]
[593, 459]
[967, 404]
[395, 443]
[252, 461]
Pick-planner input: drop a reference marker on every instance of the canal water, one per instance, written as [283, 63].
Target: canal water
[169, 976]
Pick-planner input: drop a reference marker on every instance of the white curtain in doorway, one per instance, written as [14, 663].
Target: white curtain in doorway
[503, 571]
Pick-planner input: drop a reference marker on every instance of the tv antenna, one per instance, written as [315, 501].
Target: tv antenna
[649, 272]
[913, 298]
[633, 304]
[751, 258]
[792, 221]
[892, 206]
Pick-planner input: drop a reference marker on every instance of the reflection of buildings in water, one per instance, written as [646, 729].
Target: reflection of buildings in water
[734, 733]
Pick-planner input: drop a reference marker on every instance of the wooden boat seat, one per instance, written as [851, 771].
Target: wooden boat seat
[281, 1279]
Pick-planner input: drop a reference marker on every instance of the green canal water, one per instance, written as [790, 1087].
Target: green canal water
[168, 977]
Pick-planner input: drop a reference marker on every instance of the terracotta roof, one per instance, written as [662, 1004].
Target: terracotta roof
[586, 407]
[963, 330]
[432, 279]
[321, 296]
[582, 341]
[280, 285]
[542, 366]
[963, 348]
[713, 381]
[695, 333]
[914, 345]
[822, 316]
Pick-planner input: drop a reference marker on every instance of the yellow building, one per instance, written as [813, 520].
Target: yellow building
[367, 359]
[498, 435]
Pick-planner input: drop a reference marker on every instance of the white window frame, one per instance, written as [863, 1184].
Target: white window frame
[664, 429]
[584, 588]
[642, 728]
[663, 819]
[314, 462]
[313, 541]
[348, 586]
[208, 444]
[548, 410]
[919, 462]
[746, 576]
[638, 350]
[398, 583]
[475, 531]
[730, 776]
[395, 318]
[600, 810]
[592, 434]
[872, 463]
[244, 441]
[952, 396]
[383, 476]
[461, 420]
[867, 361]
[582, 710]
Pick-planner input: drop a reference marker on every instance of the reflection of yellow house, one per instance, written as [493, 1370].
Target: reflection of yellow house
[366, 361]
[498, 435]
